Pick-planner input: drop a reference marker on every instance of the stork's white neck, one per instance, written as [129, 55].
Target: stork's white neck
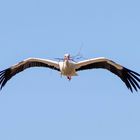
[66, 61]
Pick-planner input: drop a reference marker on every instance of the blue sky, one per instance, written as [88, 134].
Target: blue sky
[38, 103]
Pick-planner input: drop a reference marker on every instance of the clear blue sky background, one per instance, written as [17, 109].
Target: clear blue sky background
[38, 104]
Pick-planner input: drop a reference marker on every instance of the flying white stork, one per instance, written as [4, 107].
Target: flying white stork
[69, 68]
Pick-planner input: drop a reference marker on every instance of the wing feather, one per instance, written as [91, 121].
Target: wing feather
[8, 73]
[129, 77]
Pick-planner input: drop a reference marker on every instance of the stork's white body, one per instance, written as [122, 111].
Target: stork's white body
[67, 68]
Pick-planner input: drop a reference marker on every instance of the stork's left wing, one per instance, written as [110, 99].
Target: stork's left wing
[7, 74]
[129, 77]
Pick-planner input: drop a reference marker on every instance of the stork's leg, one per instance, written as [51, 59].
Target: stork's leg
[69, 78]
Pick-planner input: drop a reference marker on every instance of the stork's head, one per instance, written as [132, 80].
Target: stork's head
[67, 57]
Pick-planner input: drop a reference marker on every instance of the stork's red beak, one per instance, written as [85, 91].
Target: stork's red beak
[66, 58]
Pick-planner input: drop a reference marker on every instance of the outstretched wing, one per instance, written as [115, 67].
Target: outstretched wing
[7, 74]
[129, 77]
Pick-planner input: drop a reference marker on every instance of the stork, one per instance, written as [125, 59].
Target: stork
[69, 68]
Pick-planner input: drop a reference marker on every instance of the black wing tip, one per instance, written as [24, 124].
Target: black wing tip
[131, 79]
[4, 77]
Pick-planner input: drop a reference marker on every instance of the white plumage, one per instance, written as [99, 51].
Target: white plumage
[69, 68]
